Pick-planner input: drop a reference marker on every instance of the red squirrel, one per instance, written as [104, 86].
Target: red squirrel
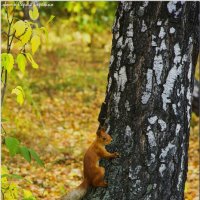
[93, 173]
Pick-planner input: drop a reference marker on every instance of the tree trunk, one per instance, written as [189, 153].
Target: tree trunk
[148, 100]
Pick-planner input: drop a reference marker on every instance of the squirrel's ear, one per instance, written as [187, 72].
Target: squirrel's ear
[103, 130]
[100, 131]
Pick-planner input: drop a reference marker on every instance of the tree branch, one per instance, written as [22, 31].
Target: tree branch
[4, 87]
[3, 129]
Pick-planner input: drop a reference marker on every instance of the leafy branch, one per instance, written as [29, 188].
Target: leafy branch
[9, 43]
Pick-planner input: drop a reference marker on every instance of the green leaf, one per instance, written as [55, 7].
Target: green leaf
[4, 59]
[4, 120]
[7, 61]
[50, 19]
[12, 144]
[5, 175]
[21, 62]
[34, 14]
[28, 195]
[14, 176]
[19, 27]
[20, 94]
[27, 35]
[36, 157]
[25, 153]
[30, 58]
[35, 43]
[10, 9]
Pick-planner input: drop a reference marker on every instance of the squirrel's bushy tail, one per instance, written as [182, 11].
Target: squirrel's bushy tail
[77, 193]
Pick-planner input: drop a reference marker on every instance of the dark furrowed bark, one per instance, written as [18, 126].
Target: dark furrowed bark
[148, 100]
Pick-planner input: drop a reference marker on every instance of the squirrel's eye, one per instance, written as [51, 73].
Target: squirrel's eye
[104, 138]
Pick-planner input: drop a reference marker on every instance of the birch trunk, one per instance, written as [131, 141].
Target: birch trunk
[148, 100]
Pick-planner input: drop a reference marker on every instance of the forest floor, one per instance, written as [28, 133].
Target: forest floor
[59, 120]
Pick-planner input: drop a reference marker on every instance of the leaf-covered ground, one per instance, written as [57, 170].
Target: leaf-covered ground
[59, 117]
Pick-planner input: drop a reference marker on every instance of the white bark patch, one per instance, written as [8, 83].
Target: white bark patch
[171, 78]
[162, 33]
[152, 159]
[151, 139]
[128, 132]
[174, 108]
[144, 27]
[116, 26]
[147, 93]
[108, 129]
[177, 52]
[168, 86]
[178, 127]
[181, 91]
[153, 119]
[162, 124]
[116, 35]
[171, 6]
[178, 12]
[148, 197]
[129, 41]
[180, 177]
[146, 3]
[158, 60]
[153, 43]
[127, 106]
[189, 75]
[185, 58]
[130, 30]
[126, 5]
[169, 148]
[162, 168]
[190, 71]
[131, 57]
[158, 67]
[119, 42]
[172, 30]
[122, 78]
[109, 83]
[111, 60]
[189, 94]
[116, 100]
[159, 23]
[163, 45]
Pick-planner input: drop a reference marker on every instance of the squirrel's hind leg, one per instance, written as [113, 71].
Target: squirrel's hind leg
[98, 180]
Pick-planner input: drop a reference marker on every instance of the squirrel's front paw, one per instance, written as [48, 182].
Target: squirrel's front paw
[116, 154]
